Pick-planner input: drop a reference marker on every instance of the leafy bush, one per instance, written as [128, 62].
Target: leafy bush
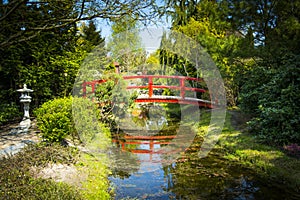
[9, 112]
[77, 118]
[54, 119]
[275, 103]
[88, 124]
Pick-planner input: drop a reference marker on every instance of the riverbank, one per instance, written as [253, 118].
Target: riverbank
[38, 170]
[71, 174]
[271, 163]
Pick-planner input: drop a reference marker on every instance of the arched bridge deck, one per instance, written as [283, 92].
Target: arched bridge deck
[151, 97]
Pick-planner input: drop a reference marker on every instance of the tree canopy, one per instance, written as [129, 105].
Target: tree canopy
[255, 44]
[19, 20]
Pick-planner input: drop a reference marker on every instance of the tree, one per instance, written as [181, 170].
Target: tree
[270, 87]
[207, 24]
[274, 23]
[15, 15]
[91, 36]
[125, 44]
[181, 11]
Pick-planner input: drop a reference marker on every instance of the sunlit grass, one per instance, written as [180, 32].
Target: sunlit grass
[269, 161]
[244, 149]
[19, 180]
[96, 185]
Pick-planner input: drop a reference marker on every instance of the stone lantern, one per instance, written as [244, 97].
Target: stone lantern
[25, 99]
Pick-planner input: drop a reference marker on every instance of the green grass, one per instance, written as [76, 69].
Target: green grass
[268, 161]
[18, 181]
[96, 185]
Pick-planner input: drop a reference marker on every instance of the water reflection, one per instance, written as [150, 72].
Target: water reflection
[145, 175]
[148, 152]
[160, 161]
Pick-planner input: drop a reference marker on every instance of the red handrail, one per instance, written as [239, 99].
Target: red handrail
[150, 85]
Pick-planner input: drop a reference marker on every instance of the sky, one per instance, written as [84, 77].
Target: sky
[150, 35]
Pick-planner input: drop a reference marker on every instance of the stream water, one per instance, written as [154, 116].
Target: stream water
[143, 173]
[147, 165]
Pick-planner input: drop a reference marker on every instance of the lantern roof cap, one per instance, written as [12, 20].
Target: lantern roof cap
[24, 89]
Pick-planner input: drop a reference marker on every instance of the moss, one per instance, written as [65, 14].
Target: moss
[18, 181]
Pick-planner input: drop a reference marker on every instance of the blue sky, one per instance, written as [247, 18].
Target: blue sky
[150, 34]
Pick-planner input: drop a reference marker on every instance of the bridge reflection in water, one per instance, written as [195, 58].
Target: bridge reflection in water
[139, 171]
[149, 145]
[188, 177]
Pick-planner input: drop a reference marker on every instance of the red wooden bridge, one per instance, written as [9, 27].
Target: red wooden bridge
[152, 97]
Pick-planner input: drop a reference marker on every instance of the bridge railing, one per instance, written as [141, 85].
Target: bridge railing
[183, 99]
[182, 88]
[150, 86]
[92, 84]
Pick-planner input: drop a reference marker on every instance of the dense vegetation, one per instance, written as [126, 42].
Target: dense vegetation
[255, 45]
[21, 174]
[17, 177]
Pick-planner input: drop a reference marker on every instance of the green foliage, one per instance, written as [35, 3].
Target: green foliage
[274, 102]
[89, 126]
[113, 98]
[54, 119]
[9, 112]
[251, 90]
[206, 23]
[45, 63]
[255, 46]
[91, 37]
[275, 24]
[76, 118]
[243, 148]
[125, 44]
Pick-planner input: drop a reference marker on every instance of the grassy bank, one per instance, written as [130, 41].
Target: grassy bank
[20, 175]
[240, 147]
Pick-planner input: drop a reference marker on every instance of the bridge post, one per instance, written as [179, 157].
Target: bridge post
[182, 88]
[150, 86]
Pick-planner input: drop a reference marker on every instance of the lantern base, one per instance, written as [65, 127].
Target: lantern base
[25, 123]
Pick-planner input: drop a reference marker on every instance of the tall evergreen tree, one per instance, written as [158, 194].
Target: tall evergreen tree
[91, 34]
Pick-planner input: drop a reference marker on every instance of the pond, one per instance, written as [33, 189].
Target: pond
[150, 159]
[143, 171]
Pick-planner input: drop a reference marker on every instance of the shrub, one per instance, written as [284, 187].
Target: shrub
[54, 119]
[274, 103]
[89, 126]
[77, 118]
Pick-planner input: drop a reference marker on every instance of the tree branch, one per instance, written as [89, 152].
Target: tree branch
[81, 10]
[13, 8]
